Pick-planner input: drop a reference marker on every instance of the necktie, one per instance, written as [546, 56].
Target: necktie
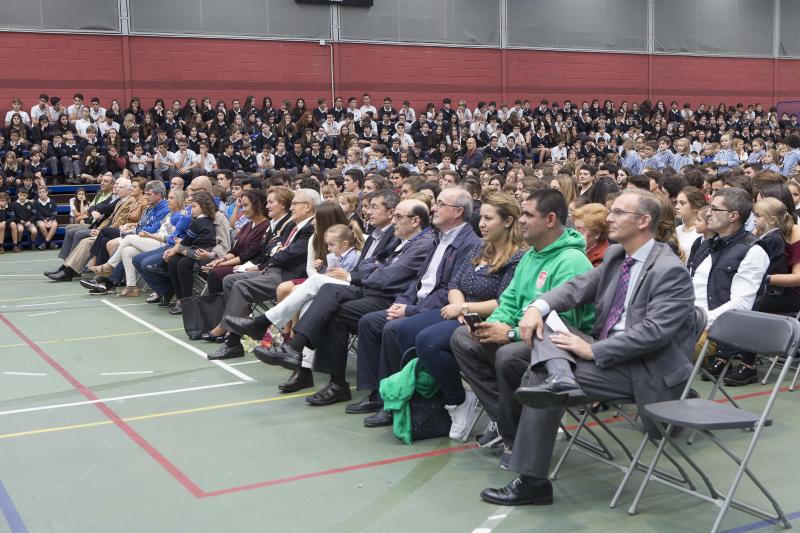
[291, 236]
[618, 303]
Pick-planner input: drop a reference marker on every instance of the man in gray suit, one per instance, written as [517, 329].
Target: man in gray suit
[640, 347]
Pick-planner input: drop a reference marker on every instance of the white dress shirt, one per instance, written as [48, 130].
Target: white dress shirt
[428, 281]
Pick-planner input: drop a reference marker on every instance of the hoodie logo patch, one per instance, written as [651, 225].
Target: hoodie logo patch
[541, 279]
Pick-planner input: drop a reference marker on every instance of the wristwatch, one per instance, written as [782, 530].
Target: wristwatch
[512, 335]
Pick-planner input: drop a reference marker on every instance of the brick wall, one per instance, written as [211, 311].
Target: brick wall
[151, 67]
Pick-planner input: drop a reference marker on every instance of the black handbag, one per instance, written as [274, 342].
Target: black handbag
[429, 418]
[201, 314]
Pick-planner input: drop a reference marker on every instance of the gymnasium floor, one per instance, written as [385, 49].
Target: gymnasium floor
[111, 420]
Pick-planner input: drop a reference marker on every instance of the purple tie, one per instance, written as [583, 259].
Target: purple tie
[618, 303]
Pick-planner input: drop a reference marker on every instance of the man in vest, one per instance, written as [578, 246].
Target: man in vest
[728, 272]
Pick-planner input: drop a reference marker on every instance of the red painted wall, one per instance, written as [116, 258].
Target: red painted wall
[151, 67]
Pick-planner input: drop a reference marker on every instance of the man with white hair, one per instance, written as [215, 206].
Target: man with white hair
[286, 261]
[121, 215]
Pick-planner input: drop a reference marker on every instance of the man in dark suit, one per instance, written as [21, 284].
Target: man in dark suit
[379, 352]
[381, 243]
[285, 261]
[337, 308]
[640, 347]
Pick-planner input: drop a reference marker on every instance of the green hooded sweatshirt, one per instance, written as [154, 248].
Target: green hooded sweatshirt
[541, 271]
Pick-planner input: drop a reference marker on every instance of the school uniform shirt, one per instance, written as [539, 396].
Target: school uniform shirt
[201, 233]
[23, 212]
[45, 210]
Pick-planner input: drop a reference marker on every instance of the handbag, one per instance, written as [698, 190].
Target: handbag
[429, 418]
[201, 314]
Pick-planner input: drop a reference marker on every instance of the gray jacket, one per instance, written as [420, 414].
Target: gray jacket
[658, 342]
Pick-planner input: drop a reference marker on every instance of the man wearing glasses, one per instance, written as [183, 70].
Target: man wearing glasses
[639, 347]
[336, 309]
[379, 352]
[728, 273]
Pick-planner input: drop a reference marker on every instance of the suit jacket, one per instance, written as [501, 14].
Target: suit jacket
[658, 342]
[272, 237]
[390, 274]
[122, 213]
[385, 247]
[105, 208]
[455, 254]
[292, 259]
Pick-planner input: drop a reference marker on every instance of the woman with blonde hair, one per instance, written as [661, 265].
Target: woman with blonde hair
[780, 238]
[590, 221]
[474, 290]
[565, 185]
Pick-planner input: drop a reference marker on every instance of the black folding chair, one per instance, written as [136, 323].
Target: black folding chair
[599, 451]
[770, 335]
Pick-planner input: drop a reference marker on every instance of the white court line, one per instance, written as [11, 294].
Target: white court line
[494, 520]
[118, 398]
[131, 373]
[198, 351]
[45, 313]
[24, 373]
[39, 305]
[51, 260]
[244, 363]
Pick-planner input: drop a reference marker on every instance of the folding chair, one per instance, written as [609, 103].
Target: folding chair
[774, 363]
[752, 331]
[600, 452]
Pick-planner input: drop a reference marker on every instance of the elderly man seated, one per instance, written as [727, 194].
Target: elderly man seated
[123, 213]
[285, 261]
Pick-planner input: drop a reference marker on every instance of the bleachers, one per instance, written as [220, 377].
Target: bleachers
[60, 194]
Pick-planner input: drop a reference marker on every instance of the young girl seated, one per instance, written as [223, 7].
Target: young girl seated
[780, 238]
[23, 218]
[79, 207]
[45, 211]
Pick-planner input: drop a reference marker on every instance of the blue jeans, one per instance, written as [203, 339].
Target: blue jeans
[160, 283]
[430, 334]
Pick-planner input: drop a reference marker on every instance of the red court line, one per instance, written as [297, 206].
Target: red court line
[197, 492]
[173, 470]
[341, 470]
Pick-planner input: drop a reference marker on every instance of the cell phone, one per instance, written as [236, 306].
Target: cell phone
[472, 319]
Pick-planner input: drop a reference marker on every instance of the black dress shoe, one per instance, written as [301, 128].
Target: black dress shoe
[166, 298]
[521, 492]
[364, 406]
[208, 337]
[330, 394]
[243, 326]
[380, 419]
[226, 352]
[554, 391]
[283, 355]
[51, 272]
[65, 275]
[300, 379]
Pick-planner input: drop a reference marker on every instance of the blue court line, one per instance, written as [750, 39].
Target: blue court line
[10, 512]
[760, 524]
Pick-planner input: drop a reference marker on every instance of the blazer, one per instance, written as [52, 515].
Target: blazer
[389, 276]
[455, 254]
[660, 332]
[122, 213]
[292, 259]
[385, 247]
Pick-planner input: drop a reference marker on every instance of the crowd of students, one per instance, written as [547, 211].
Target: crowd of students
[436, 231]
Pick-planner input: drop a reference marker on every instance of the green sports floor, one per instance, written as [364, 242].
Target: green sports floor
[112, 421]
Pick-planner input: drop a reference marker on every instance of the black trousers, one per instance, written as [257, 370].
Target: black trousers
[330, 320]
[181, 274]
[99, 251]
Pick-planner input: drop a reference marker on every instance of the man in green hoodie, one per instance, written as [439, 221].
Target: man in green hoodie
[557, 254]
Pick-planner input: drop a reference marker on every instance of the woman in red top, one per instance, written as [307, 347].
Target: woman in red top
[590, 221]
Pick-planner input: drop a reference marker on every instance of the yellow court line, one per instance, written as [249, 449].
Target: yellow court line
[42, 297]
[157, 415]
[97, 337]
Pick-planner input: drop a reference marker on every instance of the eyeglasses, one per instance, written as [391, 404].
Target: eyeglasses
[398, 216]
[619, 212]
[299, 202]
[442, 204]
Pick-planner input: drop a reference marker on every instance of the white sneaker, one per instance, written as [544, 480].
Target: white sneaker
[463, 417]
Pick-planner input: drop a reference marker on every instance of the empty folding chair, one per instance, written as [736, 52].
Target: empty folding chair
[771, 335]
